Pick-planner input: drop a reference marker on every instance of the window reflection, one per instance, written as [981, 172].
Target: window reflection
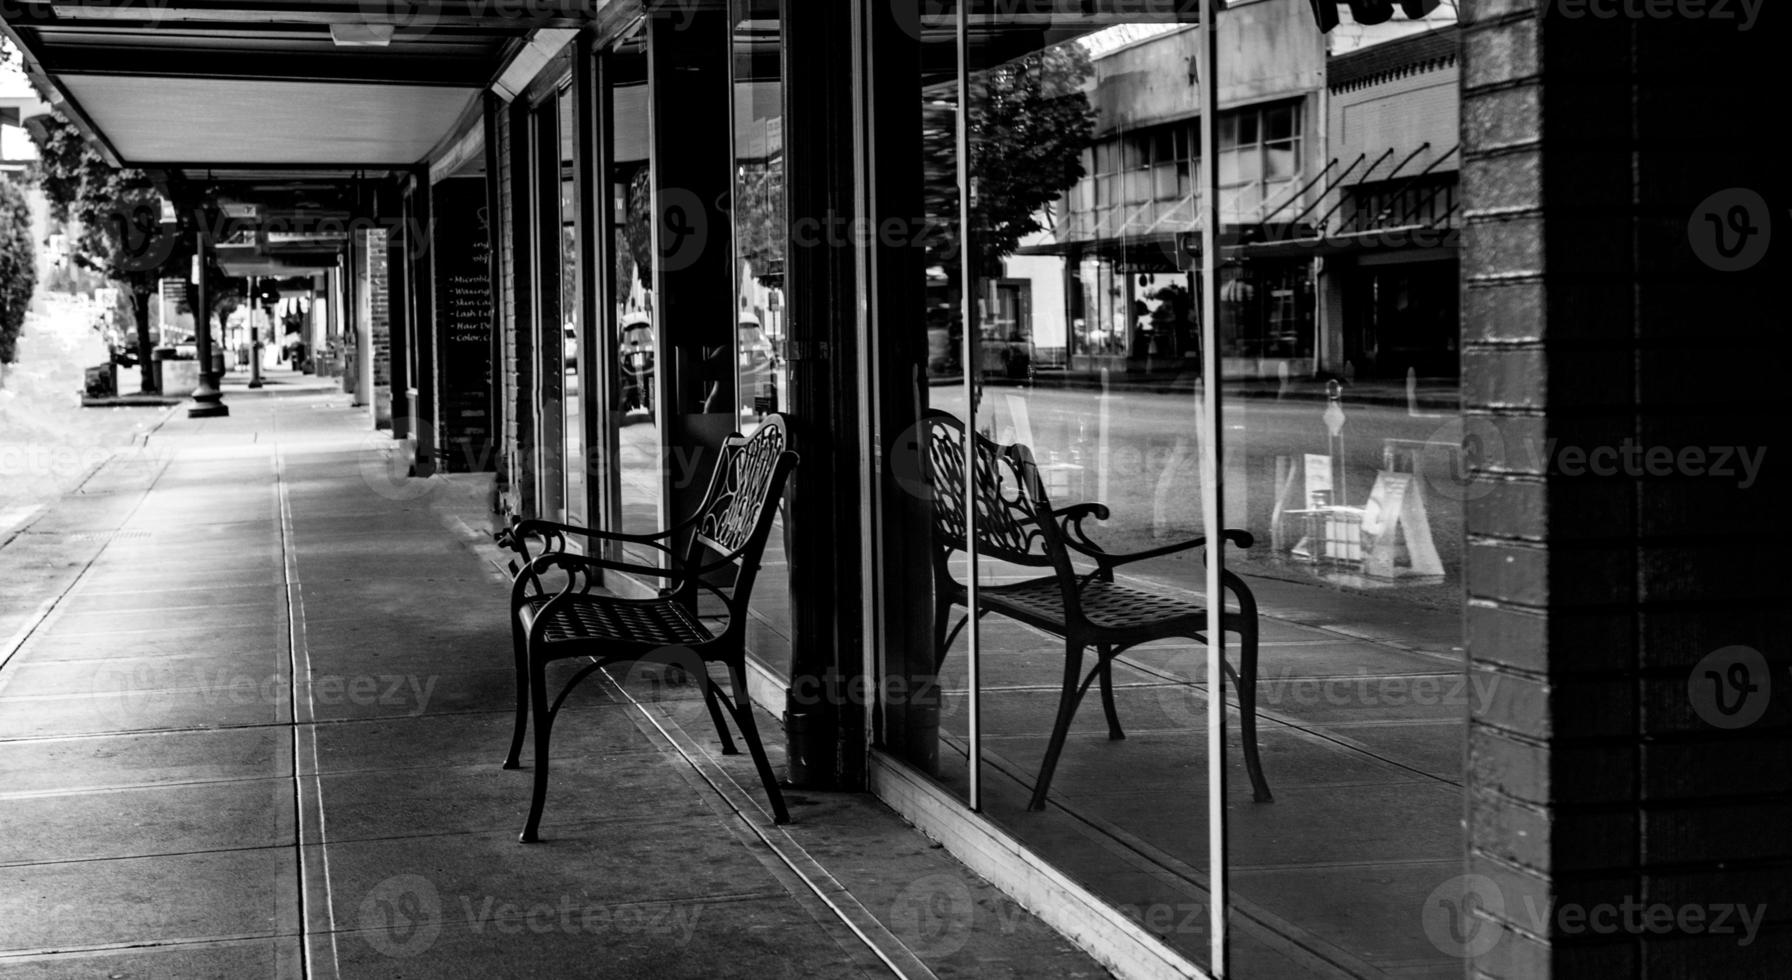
[578, 468]
[1336, 348]
[762, 328]
[633, 327]
[556, 467]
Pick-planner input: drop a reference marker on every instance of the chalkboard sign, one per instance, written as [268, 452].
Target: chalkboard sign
[460, 243]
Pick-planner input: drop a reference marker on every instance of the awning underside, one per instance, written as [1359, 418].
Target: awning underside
[331, 84]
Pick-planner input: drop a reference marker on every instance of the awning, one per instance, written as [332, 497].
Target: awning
[1409, 217]
[1416, 237]
[187, 87]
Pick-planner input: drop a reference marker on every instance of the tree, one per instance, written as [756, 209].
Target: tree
[759, 219]
[120, 215]
[1029, 123]
[18, 265]
[223, 294]
[637, 227]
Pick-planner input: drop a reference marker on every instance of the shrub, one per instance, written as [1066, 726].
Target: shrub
[18, 265]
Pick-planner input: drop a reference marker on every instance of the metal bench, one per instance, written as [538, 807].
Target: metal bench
[547, 625]
[1016, 523]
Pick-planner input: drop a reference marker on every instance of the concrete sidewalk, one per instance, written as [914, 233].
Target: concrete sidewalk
[252, 708]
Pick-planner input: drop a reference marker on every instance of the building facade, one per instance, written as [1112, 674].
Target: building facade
[618, 237]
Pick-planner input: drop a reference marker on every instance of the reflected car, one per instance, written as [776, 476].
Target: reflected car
[756, 360]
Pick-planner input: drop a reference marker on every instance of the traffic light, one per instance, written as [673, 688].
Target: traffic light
[1325, 12]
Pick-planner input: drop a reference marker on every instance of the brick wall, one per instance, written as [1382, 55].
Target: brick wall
[374, 271]
[1614, 814]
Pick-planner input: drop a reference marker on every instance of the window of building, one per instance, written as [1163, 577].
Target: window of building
[1145, 180]
[1259, 157]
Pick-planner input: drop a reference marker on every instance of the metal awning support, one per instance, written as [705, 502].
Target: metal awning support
[1325, 219]
[1297, 195]
[1414, 211]
[1339, 180]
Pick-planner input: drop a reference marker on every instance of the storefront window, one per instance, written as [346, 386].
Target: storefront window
[1341, 756]
[760, 235]
[762, 329]
[1074, 391]
[575, 356]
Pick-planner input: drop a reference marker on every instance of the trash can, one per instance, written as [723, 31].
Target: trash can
[157, 356]
[102, 380]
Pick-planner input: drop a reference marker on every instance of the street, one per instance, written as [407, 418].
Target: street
[48, 442]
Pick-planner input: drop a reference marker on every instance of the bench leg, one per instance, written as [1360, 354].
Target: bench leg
[520, 644]
[1247, 708]
[942, 639]
[1105, 654]
[715, 715]
[544, 726]
[1073, 692]
[743, 716]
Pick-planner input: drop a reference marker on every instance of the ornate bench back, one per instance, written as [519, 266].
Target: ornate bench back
[1014, 519]
[743, 498]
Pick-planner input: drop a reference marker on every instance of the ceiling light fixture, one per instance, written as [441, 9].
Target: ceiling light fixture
[361, 35]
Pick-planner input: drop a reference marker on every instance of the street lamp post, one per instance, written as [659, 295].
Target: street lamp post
[208, 400]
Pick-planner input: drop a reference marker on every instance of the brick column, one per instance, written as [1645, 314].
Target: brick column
[1626, 790]
[518, 497]
[379, 326]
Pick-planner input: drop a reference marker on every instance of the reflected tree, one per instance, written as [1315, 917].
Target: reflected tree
[1030, 121]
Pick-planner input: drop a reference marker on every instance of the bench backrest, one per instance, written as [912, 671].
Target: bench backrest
[742, 499]
[1014, 519]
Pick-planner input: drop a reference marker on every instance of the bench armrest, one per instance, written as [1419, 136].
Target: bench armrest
[1077, 538]
[578, 568]
[535, 525]
[553, 535]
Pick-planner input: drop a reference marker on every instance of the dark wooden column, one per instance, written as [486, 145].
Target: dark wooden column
[898, 359]
[693, 248]
[823, 533]
[425, 411]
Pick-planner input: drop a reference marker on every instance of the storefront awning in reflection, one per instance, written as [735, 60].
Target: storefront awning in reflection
[1370, 204]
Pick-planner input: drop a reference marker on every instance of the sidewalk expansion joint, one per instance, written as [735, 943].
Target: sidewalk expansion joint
[11, 646]
[750, 822]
